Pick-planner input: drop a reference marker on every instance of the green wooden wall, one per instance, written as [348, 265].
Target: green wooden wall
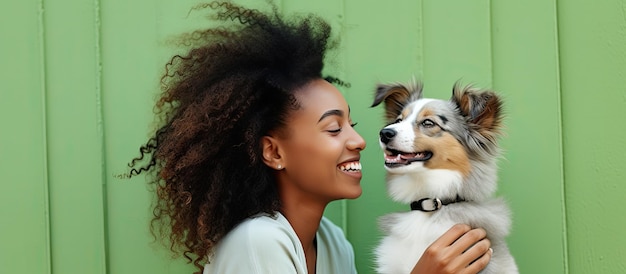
[79, 80]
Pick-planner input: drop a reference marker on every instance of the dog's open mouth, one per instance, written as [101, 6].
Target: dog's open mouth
[395, 158]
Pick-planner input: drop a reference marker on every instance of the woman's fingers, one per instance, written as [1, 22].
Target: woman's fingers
[474, 253]
[480, 263]
[461, 249]
[464, 249]
[469, 239]
[451, 236]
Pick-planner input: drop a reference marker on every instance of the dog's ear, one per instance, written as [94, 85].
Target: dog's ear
[395, 96]
[482, 108]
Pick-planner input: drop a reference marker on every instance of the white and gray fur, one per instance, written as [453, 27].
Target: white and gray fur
[474, 118]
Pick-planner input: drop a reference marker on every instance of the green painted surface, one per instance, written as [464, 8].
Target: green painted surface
[23, 184]
[593, 84]
[79, 79]
[73, 137]
[525, 71]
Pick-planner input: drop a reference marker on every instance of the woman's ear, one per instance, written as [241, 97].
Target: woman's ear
[271, 153]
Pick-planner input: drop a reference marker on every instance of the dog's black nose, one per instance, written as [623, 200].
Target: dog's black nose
[386, 134]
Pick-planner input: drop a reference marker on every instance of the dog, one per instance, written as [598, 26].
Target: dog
[440, 157]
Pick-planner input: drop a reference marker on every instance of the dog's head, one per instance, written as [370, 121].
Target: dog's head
[439, 148]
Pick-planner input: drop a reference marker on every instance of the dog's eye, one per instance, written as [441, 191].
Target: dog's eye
[428, 123]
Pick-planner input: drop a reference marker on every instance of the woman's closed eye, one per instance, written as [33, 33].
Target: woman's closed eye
[335, 131]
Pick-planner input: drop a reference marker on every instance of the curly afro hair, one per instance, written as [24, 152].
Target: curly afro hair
[234, 86]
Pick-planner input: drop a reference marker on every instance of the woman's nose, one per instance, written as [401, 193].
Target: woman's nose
[356, 142]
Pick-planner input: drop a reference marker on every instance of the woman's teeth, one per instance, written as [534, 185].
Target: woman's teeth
[351, 167]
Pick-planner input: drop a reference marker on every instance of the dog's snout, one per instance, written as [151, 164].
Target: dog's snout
[386, 134]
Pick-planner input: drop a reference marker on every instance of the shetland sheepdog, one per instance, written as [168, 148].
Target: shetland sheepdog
[440, 158]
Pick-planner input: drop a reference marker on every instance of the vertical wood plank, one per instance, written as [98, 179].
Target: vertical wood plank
[136, 45]
[592, 46]
[457, 45]
[23, 187]
[526, 72]
[74, 138]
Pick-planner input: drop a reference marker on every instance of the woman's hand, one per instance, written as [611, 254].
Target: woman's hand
[460, 250]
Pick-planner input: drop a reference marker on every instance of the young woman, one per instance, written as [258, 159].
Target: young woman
[254, 144]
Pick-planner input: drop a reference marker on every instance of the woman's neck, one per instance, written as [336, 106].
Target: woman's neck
[305, 221]
[304, 212]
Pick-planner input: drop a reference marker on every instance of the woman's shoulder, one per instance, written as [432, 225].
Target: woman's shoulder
[260, 244]
[335, 253]
[263, 221]
[262, 230]
[331, 232]
[330, 227]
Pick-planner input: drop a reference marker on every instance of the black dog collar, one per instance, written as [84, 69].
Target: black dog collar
[433, 204]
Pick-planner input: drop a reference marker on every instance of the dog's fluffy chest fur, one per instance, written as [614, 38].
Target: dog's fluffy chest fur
[409, 233]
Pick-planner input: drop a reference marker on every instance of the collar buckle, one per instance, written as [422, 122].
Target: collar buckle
[427, 204]
[433, 204]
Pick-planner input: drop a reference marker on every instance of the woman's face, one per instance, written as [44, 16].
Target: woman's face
[320, 148]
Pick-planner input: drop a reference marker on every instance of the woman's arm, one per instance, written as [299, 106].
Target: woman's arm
[460, 250]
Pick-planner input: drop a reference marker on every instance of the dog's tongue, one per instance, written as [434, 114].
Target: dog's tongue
[399, 158]
[408, 156]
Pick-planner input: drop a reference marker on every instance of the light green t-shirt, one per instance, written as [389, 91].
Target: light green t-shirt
[264, 244]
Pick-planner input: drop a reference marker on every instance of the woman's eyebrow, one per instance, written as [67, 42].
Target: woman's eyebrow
[333, 112]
